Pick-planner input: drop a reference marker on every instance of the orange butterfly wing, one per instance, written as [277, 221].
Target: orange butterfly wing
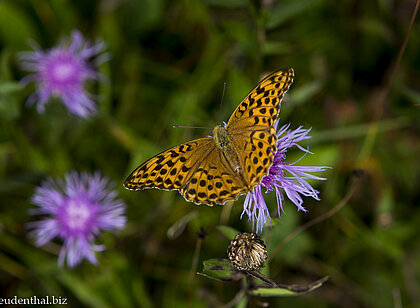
[251, 126]
[171, 169]
[199, 170]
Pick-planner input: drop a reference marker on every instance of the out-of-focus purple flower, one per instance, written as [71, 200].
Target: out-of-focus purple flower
[78, 209]
[283, 177]
[62, 72]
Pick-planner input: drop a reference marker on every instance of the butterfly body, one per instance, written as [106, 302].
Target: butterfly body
[221, 138]
[220, 168]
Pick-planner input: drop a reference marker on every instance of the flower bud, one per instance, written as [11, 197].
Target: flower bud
[247, 251]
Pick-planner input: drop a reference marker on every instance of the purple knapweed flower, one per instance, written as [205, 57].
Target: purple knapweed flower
[282, 176]
[62, 72]
[78, 209]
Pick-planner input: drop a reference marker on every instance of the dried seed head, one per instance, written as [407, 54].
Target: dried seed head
[247, 251]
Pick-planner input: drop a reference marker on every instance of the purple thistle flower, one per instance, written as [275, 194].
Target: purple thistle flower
[282, 176]
[79, 208]
[62, 72]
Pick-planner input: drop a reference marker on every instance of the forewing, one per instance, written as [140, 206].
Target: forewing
[251, 126]
[172, 168]
[260, 108]
[214, 182]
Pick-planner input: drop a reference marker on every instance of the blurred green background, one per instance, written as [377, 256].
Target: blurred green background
[169, 62]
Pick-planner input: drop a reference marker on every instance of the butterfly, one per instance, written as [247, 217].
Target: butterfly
[230, 163]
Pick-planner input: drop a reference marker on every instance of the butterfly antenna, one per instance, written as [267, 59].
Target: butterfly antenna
[181, 126]
[220, 112]
[221, 102]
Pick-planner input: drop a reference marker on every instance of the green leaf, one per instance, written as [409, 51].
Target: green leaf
[304, 92]
[288, 290]
[9, 87]
[242, 35]
[220, 269]
[9, 106]
[143, 15]
[375, 28]
[227, 3]
[284, 11]
[358, 130]
[227, 231]
[15, 26]
[278, 292]
[243, 302]
[412, 95]
[276, 48]
[81, 289]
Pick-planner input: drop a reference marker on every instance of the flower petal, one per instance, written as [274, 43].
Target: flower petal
[283, 177]
[78, 209]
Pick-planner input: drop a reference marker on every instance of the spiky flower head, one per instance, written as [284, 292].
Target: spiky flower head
[76, 211]
[62, 72]
[247, 252]
[283, 177]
